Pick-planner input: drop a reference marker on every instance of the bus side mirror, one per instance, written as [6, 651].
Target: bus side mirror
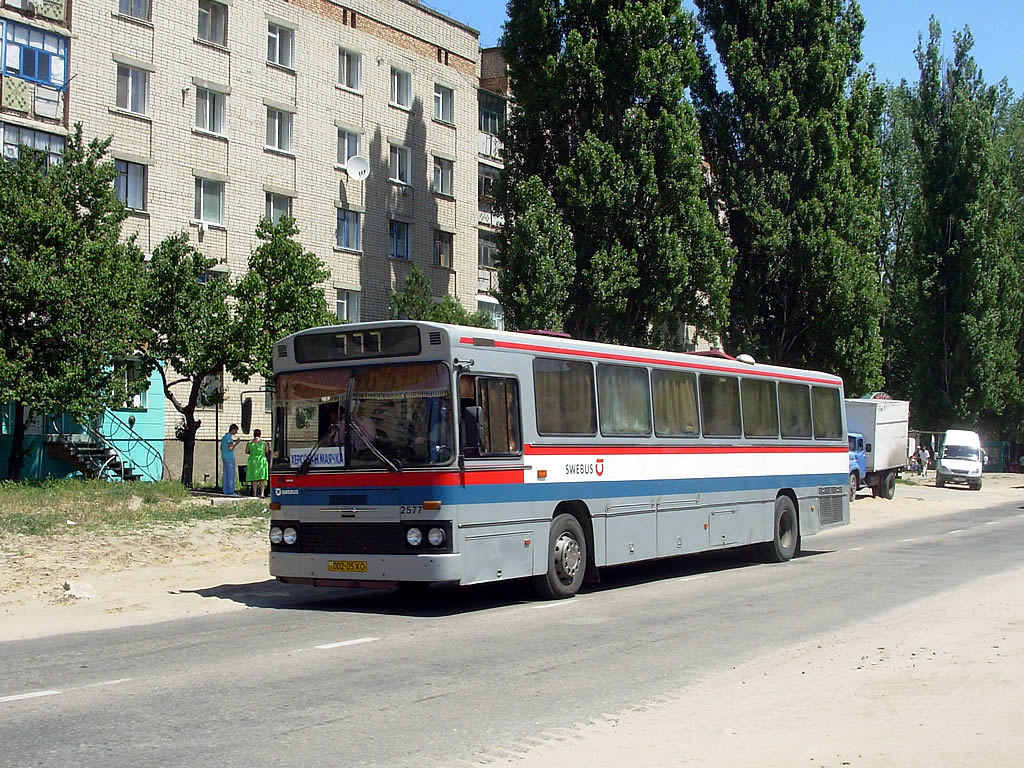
[472, 429]
[246, 414]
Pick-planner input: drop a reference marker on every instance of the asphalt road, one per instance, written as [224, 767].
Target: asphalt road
[334, 678]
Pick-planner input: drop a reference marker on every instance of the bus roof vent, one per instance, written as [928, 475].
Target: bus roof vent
[282, 350]
[435, 338]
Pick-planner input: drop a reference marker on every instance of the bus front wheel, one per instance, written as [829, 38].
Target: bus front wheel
[567, 559]
[786, 541]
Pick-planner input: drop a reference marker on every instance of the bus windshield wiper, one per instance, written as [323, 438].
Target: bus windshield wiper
[395, 466]
[304, 466]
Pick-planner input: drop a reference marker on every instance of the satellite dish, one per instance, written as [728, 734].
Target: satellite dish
[358, 167]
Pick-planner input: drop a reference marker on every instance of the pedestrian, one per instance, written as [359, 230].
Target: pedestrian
[257, 470]
[925, 455]
[227, 454]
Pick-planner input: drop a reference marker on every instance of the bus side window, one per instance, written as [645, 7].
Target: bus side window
[490, 419]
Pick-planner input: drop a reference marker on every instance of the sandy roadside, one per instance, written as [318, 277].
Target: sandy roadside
[158, 574]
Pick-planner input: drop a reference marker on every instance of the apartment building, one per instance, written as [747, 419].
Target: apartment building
[222, 112]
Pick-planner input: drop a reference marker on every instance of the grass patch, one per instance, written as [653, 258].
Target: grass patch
[44, 507]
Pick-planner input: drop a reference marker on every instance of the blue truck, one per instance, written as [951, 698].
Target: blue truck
[878, 429]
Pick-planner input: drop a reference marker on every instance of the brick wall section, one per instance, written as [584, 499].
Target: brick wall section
[392, 34]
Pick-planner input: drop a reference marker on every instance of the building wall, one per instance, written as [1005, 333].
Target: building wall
[399, 33]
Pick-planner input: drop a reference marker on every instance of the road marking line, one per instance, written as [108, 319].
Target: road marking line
[958, 530]
[553, 604]
[345, 642]
[991, 522]
[856, 549]
[98, 685]
[906, 540]
[33, 695]
[696, 577]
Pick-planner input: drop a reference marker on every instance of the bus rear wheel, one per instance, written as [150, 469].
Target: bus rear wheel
[786, 541]
[567, 560]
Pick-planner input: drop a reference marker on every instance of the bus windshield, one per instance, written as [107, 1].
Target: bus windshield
[371, 416]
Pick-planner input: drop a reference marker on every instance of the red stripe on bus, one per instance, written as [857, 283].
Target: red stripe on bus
[651, 361]
[575, 450]
[397, 479]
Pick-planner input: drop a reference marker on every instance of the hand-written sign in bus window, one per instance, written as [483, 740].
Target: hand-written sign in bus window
[564, 392]
[357, 345]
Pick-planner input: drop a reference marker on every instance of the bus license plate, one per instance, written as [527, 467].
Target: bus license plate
[347, 566]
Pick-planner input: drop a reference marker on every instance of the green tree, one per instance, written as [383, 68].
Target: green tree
[899, 209]
[202, 326]
[966, 295]
[69, 306]
[414, 302]
[278, 295]
[606, 233]
[794, 149]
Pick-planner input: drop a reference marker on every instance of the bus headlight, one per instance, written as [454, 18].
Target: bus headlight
[435, 536]
[290, 536]
[414, 536]
[276, 534]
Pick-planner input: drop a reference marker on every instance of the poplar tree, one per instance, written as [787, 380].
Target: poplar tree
[793, 147]
[606, 234]
[966, 295]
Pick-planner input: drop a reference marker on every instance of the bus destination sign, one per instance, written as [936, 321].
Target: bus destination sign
[397, 341]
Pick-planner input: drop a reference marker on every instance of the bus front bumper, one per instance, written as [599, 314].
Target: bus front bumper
[363, 570]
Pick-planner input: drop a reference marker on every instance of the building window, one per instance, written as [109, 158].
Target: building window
[400, 168]
[398, 240]
[347, 307]
[487, 253]
[278, 206]
[16, 137]
[443, 98]
[209, 201]
[495, 312]
[347, 234]
[210, 110]
[279, 129]
[443, 173]
[486, 179]
[350, 70]
[130, 184]
[280, 45]
[34, 55]
[213, 22]
[401, 88]
[138, 9]
[131, 373]
[132, 89]
[492, 113]
[348, 145]
[443, 246]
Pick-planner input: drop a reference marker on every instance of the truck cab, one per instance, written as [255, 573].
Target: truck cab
[858, 462]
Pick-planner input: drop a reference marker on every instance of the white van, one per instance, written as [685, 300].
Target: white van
[961, 459]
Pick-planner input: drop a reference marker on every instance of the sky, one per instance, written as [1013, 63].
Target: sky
[890, 36]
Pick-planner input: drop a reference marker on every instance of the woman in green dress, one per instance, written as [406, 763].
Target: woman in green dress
[257, 470]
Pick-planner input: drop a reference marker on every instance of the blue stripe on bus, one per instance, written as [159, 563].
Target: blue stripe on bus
[528, 492]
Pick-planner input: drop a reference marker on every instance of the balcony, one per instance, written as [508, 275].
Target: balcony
[487, 217]
[490, 146]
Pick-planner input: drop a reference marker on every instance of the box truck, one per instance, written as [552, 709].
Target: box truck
[884, 425]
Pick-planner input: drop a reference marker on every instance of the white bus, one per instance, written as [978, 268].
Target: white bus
[406, 453]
